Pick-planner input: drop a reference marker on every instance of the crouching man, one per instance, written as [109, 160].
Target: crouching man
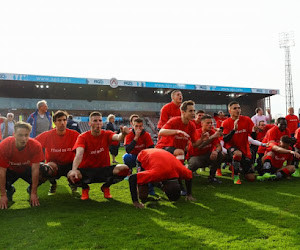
[274, 158]
[20, 157]
[92, 162]
[158, 165]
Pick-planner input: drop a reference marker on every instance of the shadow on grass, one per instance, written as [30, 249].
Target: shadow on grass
[224, 216]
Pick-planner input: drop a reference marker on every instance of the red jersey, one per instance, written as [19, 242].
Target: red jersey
[160, 165]
[292, 123]
[143, 142]
[297, 136]
[219, 121]
[279, 158]
[261, 134]
[195, 151]
[18, 160]
[198, 125]
[177, 141]
[273, 134]
[96, 149]
[240, 138]
[167, 112]
[58, 148]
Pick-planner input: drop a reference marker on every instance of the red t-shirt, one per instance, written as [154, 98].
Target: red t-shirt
[18, 160]
[177, 141]
[273, 134]
[96, 149]
[240, 138]
[58, 148]
[167, 112]
[198, 125]
[195, 151]
[219, 121]
[279, 158]
[160, 165]
[297, 136]
[261, 134]
[143, 142]
[292, 123]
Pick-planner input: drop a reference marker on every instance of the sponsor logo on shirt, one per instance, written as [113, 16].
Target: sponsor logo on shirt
[98, 151]
[180, 137]
[279, 158]
[240, 131]
[60, 150]
[19, 163]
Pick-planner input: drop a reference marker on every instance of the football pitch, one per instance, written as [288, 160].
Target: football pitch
[259, 215]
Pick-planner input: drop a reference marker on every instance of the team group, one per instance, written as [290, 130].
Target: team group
[36, 153]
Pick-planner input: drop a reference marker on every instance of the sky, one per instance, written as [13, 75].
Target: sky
[226, 43]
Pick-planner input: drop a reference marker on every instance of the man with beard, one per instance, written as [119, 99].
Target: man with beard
[58, 144]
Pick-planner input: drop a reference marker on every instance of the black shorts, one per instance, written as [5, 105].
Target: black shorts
[170, 149]
[114, 150]
[246, 163]
[96, 175]
[271, 170]
[63, 170]
[13, 176]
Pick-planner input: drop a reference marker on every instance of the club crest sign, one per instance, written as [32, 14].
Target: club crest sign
[113, 83]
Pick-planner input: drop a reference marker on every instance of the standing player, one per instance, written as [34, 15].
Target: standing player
[137, 140]
[20, 157]
[237, 128]
[292, 121]
[276, 155]
[171, 109]
[92, 156]
[159, 166]
[58, 144]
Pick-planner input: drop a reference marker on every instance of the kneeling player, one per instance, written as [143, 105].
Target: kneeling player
[276, 155]
[158, 165]
[237, 128]
[58, 144]
[20, 157]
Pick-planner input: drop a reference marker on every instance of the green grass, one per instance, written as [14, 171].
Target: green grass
[258, 215]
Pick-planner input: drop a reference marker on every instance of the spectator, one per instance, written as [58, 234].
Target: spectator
[71, 124]
[7, 127]
[2, 119]
[40, 120]
[260, 116]
[114, 147]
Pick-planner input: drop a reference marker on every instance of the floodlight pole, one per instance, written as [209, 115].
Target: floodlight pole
[286, 40]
